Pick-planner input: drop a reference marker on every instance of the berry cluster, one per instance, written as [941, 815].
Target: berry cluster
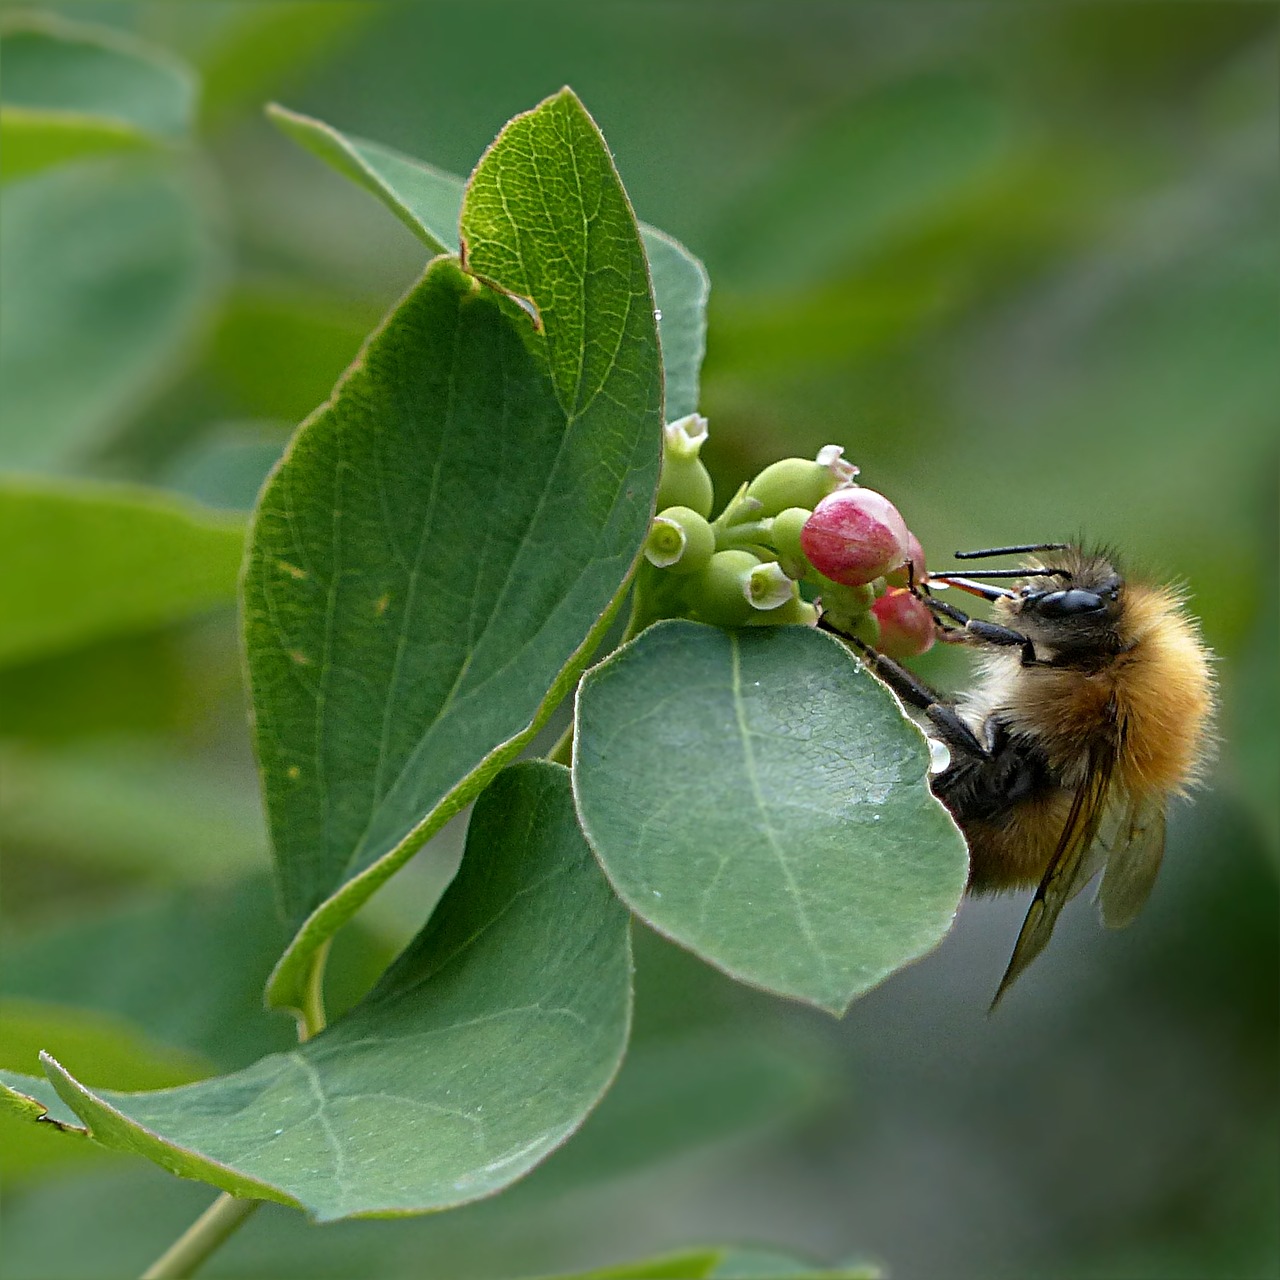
[801, 540]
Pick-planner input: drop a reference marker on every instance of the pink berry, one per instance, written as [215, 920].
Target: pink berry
[915, 555]
[855, 536]
[906, 625]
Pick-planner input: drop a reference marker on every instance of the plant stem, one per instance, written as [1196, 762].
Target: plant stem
[562, 752]
[201, 1238]
[748, 533]
[312, 1021]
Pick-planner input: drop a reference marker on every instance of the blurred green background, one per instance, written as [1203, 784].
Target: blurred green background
[1022, 261]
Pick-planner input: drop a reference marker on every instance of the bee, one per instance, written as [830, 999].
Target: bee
[1093, 708]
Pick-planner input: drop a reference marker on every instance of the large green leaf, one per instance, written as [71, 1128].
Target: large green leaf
[761, 799]
[429, 201]
[446, 539]
[70, 91]
[480, 1051]
[85, 560]
[105, 270]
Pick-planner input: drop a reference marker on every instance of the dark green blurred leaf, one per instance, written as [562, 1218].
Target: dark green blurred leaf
[125, 685]
[880, 165]
[277, 351]
[393, 668]
[85, 561]
[71, 91]
[479, 1052]
[105, 273]
[675, 1266]
[765, 1264]
[133, 807]
[722, 1263]
[162, 963]
[762, 800]
[250, 51]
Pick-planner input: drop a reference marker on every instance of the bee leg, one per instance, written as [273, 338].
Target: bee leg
[942, 715]
[968, 629]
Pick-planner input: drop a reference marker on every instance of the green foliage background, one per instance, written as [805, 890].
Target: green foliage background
[1022, 263]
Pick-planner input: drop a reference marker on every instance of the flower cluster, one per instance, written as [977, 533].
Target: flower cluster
[801, 540]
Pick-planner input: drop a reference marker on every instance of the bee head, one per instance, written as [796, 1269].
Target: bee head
[1074, 605]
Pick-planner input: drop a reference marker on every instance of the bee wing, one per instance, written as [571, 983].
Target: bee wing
[1132, 864]
[1070, 868]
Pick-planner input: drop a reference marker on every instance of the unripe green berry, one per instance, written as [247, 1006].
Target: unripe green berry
[684, 480]
[801, 482]
[718, 593]
[680, 540]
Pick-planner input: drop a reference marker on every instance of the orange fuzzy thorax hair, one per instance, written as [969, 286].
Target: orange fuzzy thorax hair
[1151, 703]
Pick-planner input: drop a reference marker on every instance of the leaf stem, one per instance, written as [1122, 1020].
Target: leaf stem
[562, 752]
[312, 1020]
[210, 1230]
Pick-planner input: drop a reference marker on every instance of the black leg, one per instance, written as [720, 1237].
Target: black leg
[971, 629]
[913, 691]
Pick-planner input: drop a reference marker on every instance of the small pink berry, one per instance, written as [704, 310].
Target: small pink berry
[855, 536]
[915, 555]
[906, 625]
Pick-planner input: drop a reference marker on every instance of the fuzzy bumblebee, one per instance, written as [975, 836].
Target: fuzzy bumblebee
[1093, 707]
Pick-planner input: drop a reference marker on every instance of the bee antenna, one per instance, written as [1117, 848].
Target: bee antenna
[1010, 573]
[1012, 551]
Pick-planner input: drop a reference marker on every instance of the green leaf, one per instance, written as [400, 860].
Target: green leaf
[71, 91]
[694, 1264]
[766, 1264]
[761, 799]
[86, 560]
[112, 1048]
[24, 1097]
[426, 199]
[105, 271]
[446, 540]
[481, 1050]
[429, 201]
[681, 287]
[722, 1263]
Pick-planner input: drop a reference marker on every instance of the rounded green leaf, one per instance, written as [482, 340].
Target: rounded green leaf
[761, 799]
[479, 1052]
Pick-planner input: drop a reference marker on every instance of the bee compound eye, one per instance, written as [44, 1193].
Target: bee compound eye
[1073, 603]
